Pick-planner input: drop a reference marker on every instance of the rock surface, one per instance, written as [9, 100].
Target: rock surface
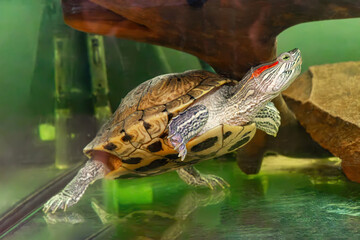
[326, 101]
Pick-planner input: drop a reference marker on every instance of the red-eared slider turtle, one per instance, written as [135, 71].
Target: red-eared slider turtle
[172, 121]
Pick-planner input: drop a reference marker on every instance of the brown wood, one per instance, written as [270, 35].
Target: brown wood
[231, 35]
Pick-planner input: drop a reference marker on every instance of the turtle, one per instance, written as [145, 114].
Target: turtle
[173, 121]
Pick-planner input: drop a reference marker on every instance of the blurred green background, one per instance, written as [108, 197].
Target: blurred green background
[324, 41]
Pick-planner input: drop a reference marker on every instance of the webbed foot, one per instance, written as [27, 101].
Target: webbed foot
[193, 177]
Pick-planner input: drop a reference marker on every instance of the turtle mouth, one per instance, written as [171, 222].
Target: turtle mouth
[296, 58]
[296, 65]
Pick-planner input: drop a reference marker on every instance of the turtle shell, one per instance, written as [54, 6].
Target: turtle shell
[136, 135]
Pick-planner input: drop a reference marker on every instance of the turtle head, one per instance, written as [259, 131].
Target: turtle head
[262, 84]
[272, 78]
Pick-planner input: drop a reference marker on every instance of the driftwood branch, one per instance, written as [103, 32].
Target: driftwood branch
[231, 35]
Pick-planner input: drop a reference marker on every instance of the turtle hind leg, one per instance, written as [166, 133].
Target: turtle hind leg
[268, 119]
[185, 126]
[191, 176]
[71, 194]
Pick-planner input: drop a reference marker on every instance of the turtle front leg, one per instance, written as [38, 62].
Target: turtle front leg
[185, 126]
[71, 194]
[268, 119]
[191, 176]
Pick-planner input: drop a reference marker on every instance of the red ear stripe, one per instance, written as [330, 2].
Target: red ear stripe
[258, 71]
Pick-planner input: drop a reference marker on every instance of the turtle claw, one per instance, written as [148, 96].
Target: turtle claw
[59, 201]
[177, 142]
[193, 177]
[183, 152]
[176, 147]
[212, 181]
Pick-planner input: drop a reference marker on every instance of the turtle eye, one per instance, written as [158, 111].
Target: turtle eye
[286, 57]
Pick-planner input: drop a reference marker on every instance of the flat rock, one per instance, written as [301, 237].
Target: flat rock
[326, 101]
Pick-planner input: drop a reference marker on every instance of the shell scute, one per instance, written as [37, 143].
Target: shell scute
[216, 81]
[208, 143]
[126, 147]
[146, 159]
[157, 120]
[163, 151]
[130, 103]
[199, 91]
[166, 88]
[179, 104]
[134, 127]
[230, 133]
[240, 135]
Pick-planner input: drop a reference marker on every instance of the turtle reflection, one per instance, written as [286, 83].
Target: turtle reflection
[137, 221]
